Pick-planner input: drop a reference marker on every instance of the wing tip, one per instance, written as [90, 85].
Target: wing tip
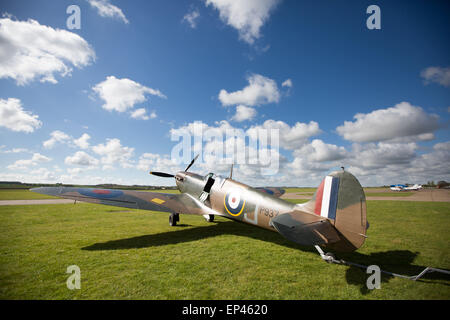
[51, 191]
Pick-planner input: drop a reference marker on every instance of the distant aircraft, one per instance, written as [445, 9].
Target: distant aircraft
[398, 187]
[414, 187]
[403, 187]
[335, 218]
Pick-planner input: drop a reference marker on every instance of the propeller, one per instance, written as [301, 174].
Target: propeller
[162, 174]
[190, 164]
[169, 175]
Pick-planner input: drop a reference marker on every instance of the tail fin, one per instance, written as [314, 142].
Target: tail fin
[340, 198]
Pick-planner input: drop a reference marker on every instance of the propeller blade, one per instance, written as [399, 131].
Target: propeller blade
[190, 164]
[162, 174]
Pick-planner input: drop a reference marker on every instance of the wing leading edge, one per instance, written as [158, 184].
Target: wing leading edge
[154, 201]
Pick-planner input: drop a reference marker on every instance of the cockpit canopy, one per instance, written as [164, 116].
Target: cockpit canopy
[209, 175]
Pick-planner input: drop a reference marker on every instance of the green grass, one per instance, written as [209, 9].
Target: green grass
[22, 194]
[133, 254]
[389, 194]
[292, 190]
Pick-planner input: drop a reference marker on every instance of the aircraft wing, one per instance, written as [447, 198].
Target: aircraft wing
[154, 201]
[276, 192]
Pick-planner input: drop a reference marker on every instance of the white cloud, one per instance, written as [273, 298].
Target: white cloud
[402, 120]
[380, 155]
[244, 113]
[432, 165]
[82, 141]
[75, 171]
[81, 158]
[113, 152]
[15, 118]
[43, 174]
[106, 9]
[245, 16]
[260, 90]
[56, 137]
[386, 163]
[122, 94]
[29, 51]
[191, 18]
[197, 128]
[287, 83]
[320, 151]
[37, 157]
[141, 113]
[290, 137]
[218, 153]
[25, 163]
[442, 146]
[37, 175]
[437, 74]
[13, 150]
[155, 162]
[374, 164]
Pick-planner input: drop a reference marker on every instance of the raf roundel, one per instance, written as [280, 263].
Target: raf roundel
[234, 205]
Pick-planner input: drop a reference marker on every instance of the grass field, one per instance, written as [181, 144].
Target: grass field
[133, 254]
[22, 194]
[389, 194]
[296, 190]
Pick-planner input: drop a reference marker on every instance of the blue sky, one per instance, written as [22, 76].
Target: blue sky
[397, 78]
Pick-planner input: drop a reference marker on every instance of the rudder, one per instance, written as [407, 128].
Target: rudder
[340, 198]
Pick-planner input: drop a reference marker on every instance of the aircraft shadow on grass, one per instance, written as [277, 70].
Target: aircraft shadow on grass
[397, 261]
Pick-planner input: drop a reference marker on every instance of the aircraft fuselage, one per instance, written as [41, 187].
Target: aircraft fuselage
[232, 199]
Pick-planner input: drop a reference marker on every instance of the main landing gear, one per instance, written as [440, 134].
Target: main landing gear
[209, 217]
[173, 219]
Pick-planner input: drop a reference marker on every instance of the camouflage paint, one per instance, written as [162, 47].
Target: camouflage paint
[342, 228]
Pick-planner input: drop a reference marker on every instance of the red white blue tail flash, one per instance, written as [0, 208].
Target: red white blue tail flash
[327, 197]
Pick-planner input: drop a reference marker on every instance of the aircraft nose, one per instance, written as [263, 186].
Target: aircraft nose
[180, 176]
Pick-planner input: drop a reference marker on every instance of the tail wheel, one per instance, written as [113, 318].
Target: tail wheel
[330, 257]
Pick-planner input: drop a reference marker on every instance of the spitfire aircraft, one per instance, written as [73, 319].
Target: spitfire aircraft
[335, 218]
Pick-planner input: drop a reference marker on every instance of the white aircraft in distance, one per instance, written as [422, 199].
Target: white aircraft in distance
[398, 187]
[403, 187]
[414, 187]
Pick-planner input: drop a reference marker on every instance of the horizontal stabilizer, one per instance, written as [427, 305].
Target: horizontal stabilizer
[276, 192]
[308, 234]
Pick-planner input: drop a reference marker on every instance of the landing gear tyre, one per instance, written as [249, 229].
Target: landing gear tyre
[211, 218]
[173, 219]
